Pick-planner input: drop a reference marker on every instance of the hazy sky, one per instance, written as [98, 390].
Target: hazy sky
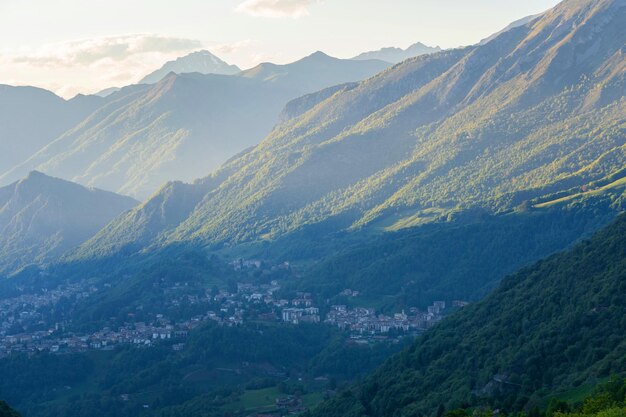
[72, 46]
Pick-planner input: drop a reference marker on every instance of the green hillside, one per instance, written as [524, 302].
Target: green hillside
[31, 118]
[221, 371]
[461, 259]
[536, 111]
[6, 411]
[605, 400]
[549, 328]
[43, 217]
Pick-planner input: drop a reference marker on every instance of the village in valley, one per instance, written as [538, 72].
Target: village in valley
[31, 322]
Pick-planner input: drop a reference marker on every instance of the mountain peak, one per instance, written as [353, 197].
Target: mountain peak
[575, 7]
[170, 75]
[41, 217]
[395, 55]
[202, 53]
[422, 48]
[39, 180]
[34, 174]
[203, 62]
[317, 56]
[359, 136]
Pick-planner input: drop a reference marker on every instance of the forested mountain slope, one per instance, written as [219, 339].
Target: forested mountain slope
[42, 217]
[6, 411]
[30, 118]
[462, 259]
[548, 328]
[538, 110]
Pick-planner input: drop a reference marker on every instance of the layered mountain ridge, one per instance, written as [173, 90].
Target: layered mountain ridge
[31, 117]
[538, 110]
[397, 55]
[184, 126]
[315, 72]
[43, 217]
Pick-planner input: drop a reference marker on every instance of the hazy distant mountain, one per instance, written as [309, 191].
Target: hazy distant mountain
[301, 105]
[395, 55]
[30, 118]
[315, 72]
[183, 127]
[539, 110]
[42, 217]
[107, 91]
[203, 62]
[513, 25]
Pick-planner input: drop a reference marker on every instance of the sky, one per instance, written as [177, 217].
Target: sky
[78, 46]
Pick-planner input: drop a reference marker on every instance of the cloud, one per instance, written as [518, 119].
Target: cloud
[94, 64]
[233, 47]
[276, 8]
[115, 48]
[91, 65]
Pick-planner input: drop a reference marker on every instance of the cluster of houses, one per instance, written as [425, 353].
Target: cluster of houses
[362, 320]
[301, 315]
[137, 334]
[24, 319]
[25, 312]
[242, 264]
[291, 404]
[24, 309]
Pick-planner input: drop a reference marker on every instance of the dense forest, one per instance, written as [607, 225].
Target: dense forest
[218, 366]
[6, 411]
[606, 400]
[457, 259]
[550, 328]
[443, 236]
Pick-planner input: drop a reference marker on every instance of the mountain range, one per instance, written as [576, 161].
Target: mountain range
[42, 217]
[315, 72]
[512, 25]
[536, 113]
[203, 62]
[396, 55]
[349, 185]
[183, 127]
[30, 118]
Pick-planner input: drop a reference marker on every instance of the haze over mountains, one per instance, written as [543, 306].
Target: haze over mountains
[183, 127]
[396, 55]
[203, 62]
[537, 111]
[512, 25]
[30, 118]
[315, 72]
[42, 217]
[373, 193]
